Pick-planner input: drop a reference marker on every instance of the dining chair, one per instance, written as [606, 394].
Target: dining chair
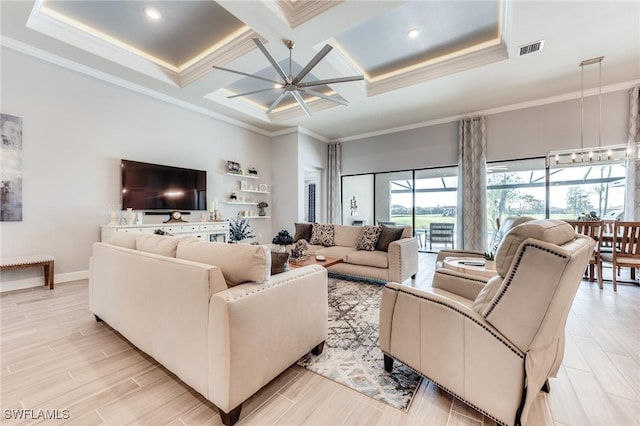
[441, 233]
[626, 252]
[593, 229]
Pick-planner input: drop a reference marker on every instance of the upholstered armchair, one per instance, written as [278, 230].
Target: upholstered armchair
[492, 345]
[506, 226]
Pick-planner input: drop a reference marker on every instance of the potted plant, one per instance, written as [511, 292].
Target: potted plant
[489, 260]
[239, 229]
[282, 239]
[261, 206]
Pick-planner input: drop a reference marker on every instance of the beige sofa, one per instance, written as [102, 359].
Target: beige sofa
[399, 263]
[494, 344]
[224, 337]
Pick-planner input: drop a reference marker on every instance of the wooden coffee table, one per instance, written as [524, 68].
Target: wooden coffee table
[329, 261]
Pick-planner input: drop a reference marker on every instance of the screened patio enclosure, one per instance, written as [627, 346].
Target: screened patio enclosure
[427, 198]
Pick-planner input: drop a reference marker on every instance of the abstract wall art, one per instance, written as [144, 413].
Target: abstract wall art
[11, 168]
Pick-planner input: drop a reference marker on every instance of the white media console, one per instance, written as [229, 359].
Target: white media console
[207, 231]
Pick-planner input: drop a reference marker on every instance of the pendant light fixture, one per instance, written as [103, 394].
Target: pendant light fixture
[600, 154]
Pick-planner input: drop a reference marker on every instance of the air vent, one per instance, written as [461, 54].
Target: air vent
[531, 47]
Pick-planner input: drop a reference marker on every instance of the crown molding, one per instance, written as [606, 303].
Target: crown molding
[83, 69]
[251, 109]
[439, 68]
[497, 110]
[74, 33]
[60, 27]
[236, 46]
[313, 134]
[298, 12]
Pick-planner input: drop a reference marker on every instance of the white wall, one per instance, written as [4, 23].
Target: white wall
[285, 183]
[75, 131]
[524, 133]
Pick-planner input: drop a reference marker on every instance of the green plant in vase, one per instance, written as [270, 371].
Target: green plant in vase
[239, 229]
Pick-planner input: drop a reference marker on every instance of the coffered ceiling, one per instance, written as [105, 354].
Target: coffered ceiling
[463, 59]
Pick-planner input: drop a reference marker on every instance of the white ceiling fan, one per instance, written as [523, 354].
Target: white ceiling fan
[294, 85]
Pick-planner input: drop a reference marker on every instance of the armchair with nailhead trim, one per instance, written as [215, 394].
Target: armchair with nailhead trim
[492, 345]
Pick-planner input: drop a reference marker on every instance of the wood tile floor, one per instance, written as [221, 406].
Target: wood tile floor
[56, 357]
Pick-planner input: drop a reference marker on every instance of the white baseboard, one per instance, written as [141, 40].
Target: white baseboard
[39, 281]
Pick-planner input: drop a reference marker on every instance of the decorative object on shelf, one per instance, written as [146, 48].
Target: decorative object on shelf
[113, 216]
[600, 154]
[282, 239]
[263, 187]
[233, 196]
[354, 206]
[130, 216]
[233, 167]
[244, 186]
[300, 249]
[253, 171]
[239, 229]
[261, 206]
[175, 216]
[214, 207]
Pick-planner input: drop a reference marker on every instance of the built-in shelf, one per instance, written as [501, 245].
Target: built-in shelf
[241, 203]
[253, 191]
[242, 176]
[255, 217]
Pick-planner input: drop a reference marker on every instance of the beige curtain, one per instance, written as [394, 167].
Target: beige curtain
[632, 178]
[472, 185]
[334, 199]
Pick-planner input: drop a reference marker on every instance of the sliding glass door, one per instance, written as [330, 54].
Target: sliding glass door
[394, 198]
[525, 187]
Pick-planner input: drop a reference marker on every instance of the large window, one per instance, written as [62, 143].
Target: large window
[514, 188]
[586, 189]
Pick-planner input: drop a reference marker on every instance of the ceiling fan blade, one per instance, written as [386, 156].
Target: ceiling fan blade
[247, 75]
[252, 92]
[331, 81]
[277, 101]
[323, 96]
[301, 102]
[270, 58]
[321, 54]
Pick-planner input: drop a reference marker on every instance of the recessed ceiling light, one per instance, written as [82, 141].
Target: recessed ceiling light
[413, 33]
[152, 13]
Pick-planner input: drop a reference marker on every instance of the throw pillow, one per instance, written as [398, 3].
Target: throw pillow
[303, 231]
[322, 235]
[368, 238]
[279, 262]
[388, 235]
[239, 263]
[157, 244]
[122, 239]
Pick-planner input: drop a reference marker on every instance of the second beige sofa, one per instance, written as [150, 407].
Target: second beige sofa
[398, 263]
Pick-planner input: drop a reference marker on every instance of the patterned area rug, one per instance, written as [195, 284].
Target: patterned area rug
[352, 356]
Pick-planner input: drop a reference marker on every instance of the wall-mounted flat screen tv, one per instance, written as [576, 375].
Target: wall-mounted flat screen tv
[156, 187]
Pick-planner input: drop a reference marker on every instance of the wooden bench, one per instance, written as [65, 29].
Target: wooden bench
[20, 262]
